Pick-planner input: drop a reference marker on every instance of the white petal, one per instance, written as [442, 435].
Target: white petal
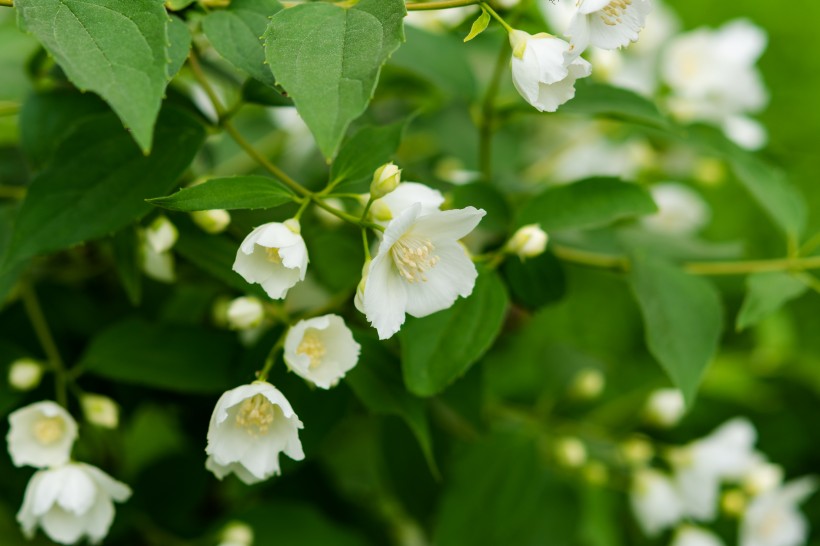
[447, 226]
[408, 194]
[220, 471]
[385, 296]
[26, 516]
[588, 6]
[62, 526]
[111, 487]
[78, 491]
[453, 276]
[278, 284]
[99, 520]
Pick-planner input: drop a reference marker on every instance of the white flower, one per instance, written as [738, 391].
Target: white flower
[665, 407]
[161, 234]
[41, 435]
[407, 194]
[249, 427]
[681, 210]
[689, 535]
[71, 502]
[273, 255]
[773, 519]
[25, 374]
[655, 501]
[385, 180]
[245, 313]
[543, 71]
[608, 24]
[212, 221]
[763, 476]
[726, 454]
[420, 267]
[528, 241]
[321, 350]
[157, 265]
[100, 410]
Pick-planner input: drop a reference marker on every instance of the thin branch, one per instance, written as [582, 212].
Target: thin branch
[43, 332]
[443, 4]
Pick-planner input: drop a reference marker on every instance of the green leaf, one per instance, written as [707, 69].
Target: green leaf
[328, 58]
[479, 25]
[438, 349]
[98, 182]
[9, 276]
[115, 48]
[232, 193]
[683, 318]
[376, 381]
[535, 282]
[587, 204]
[595, 99]
[236, 33]
[765, 294]
[179, 44]
[295, 523]
[126, 250]
[165, 356]
[367, 150]
[487, 197]
[336, 257]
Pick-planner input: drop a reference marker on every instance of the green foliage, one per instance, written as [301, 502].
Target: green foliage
[479, 25]
[535, 282]
[606, 101]
[328, 58]
[364, 152]
[236, 192]
[765, 294]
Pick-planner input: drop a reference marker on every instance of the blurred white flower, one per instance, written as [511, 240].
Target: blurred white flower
[25, 374]
[273, 255]
[321, 350]
[100, 410]
[655, 501]
[557, 13]
[700, 467]
[439, 20]
[161, 234]
[543, 71]
[158, 264]
[528, 241]
[407, 194]
[41, 434]
[212, 221]
[250, 426]
[665, 407]
[689, 535]
[245, 313]
[763, 476]
[681, 210]
[71, 502]
[420, 267]
[385, 180]
[608, 24]
[773, 519]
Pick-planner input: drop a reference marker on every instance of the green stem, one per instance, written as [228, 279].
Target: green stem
[9, 108]
[271, 359]
[302, 208]
[12, 192]
[485, 149]
[496, 16]
[443, 4]
[41, 329]
[8, 3]
[366, 245]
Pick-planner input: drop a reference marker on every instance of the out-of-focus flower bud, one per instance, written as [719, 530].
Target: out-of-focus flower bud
[570, 452]
[528, 242]
[100, 410]
[212, 221]
[25, 374]
[245, 313]
[587, 384]
[665, 408]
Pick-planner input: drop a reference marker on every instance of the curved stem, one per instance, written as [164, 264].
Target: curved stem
[497, 17]
[485, 145]
[41, 329]
[8, 3]
[271, 360]
[443, 4]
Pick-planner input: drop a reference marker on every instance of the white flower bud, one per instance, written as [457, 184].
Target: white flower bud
[385, 180]
[25, 374]
[570, 452]
[100, 410]
[40, 435]
[161, 234]
[665, 408]
[587, 384]
[761, 477]
[528, 242]
[212, 221]
[734, 502]
[245, 313]
[236, 533]
[637, 451]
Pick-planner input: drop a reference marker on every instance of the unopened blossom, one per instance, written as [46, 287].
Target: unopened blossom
[420, 267]
[157, 265]
[100, 410]
[25, 374]
[700, 467]
[774, 519]
[41, 434]
[385, 180]
[212, 221]
[587, 384]
[71, 502]
[570, 452]
[608, 24]
[689, 535]
[762, 476]
[681, 210]
[655, 501]
[236, 533]
[407, 194]
[665, 407]
[250, 426]
[161, 234]
[245, 313]
[528, 241]
[274, 255]
[321, 350]
[543, 70]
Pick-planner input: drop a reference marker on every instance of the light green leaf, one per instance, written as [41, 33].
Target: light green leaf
[367, 150]
[236, 33]
[479, 25]
[595, 99]
[232, 193]
[98, 182]
[683, 317]
[165, 356]
[438, 349]
[765, 294]
[179, 40]
[115, 48]
[328, 58]
[586, 204]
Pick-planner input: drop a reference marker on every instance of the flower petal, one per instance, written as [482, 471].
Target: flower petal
[385, 296]
[453, 276]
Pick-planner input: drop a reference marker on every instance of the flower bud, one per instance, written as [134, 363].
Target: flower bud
[100, 410]
[595, 473]
[212, 221]
[161, 234]
[385, 180]
[358, 300]
[733, 503]
[25, 374]
[762, 477]
[637, 451]
[245, 313]
[528, 242]
[570, 452]
[665, 408]
[236, 533]
[587, 384]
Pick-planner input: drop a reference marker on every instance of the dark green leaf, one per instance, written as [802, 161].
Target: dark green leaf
[683, 318]
[438, 349]
[292, 523]
[586, 204]
[595, 99]
[535, 282]
[238, 192]
[328, 58]
[336, 257]
[367, 150]
[126, 247]
[765, 294]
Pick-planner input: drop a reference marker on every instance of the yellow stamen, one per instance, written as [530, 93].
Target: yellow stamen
[49, 430]
[413, 258]
[312, 346]
[255, 415]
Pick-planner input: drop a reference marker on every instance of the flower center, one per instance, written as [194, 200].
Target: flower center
[612, 14]
[49, 430]
[273, 255]
[413, 258]
[312, 346]
[255, 415]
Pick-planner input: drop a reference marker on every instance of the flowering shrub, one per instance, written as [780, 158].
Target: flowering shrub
[370, 272]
